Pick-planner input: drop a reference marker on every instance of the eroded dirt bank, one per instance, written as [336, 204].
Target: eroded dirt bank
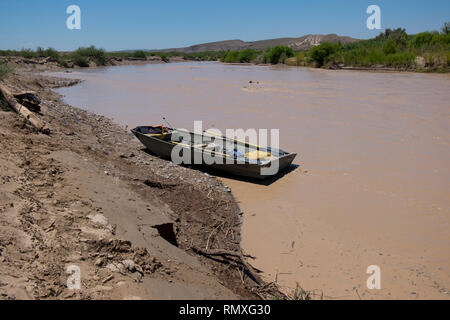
[89, 195]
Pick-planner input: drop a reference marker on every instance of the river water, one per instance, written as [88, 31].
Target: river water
[373, 182]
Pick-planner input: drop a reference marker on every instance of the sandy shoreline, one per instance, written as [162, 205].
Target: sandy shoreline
[89, 195]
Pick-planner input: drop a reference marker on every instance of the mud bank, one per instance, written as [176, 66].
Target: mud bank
[88, 195]
[45, 64]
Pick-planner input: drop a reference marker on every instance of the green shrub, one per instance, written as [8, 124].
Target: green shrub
[49, 52]
[422, 39]
[63, 62]
[139, 54]
[28, 53]
[300, 59]
[5, 70]
[80, 61]
[399, 36]
[390, 47]
[403, 59]
[247, 55]
[6, 53]
[97, 55]
[320, 54]
[230, 57]
[201, 56]
[243, 56]
[164, 57]
[441, 40]
[278, 54]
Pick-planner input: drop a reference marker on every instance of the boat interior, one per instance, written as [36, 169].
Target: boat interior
[214, 144]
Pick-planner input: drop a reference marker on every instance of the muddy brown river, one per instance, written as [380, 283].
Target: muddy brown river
[373, 182]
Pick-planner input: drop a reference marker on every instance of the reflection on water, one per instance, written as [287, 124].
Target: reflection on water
[374, 179]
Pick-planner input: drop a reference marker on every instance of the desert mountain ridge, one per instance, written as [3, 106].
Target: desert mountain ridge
[302, 43]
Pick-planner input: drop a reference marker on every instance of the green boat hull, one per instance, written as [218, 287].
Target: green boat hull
[164, 149]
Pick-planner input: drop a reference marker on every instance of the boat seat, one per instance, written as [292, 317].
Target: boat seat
[211, 146]
[258, 155]
[177, 136]
[162, 136]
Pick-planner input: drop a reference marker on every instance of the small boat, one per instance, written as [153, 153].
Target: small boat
[228, 155]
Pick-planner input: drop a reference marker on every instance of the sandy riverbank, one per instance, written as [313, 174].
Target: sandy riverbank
[89, 195]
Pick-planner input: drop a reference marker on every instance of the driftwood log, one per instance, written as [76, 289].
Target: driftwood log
[21, 109]
[29, 100]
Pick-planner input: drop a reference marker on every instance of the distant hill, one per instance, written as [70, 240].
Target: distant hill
[302, 43]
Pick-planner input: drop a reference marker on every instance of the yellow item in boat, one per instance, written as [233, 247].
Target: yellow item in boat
[159, 132]
[158, 135]
[257, 155]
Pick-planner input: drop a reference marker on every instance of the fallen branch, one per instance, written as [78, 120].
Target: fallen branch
[222, 252]
[210, 235]
[22, 110]
[226, 254]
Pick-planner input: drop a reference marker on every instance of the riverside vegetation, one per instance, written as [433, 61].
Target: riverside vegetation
[86, 56]
[425, 51]
[275, 55]
[394, 49]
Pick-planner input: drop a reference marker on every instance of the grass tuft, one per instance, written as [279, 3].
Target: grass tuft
[5, 70]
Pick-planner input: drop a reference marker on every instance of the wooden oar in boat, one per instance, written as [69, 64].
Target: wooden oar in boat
[203, 150]
[235, 140]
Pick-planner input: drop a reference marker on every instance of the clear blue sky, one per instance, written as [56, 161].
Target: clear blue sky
[146, 24]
